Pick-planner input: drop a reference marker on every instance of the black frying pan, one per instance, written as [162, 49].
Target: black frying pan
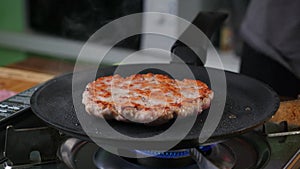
[249, 103]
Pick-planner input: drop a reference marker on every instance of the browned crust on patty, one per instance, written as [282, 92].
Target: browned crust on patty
[145, 98]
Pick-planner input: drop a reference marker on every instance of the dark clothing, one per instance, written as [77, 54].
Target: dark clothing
[271, 31]
[262, 67]
[273, 28]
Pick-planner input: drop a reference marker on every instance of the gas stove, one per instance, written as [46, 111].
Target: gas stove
[240, 152]
[29, 143]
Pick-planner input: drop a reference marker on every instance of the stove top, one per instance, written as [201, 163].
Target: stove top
[51, 149]
[246, 151]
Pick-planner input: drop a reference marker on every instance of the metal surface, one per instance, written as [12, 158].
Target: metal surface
[288, 133]
[221, 157]
[281, 152]
[67, 149]
[34, 151]
[77, 154]
[284, 147]
[105, 160]
[249, 150]
[201, 161]
[249, 104]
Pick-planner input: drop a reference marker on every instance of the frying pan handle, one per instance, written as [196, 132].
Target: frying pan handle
[208, 23]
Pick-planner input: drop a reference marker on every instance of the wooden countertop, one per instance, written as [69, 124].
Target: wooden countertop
[18, 80]
[288, 111]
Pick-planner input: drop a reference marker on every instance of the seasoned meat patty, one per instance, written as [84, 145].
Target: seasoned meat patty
[145, 98]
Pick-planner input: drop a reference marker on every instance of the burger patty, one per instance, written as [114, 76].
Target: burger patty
[145, 98]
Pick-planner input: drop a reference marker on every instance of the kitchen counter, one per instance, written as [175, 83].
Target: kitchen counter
[13, 81]
[18, 80]
[22, 75]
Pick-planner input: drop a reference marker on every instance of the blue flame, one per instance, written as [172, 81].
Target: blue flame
[172, 154]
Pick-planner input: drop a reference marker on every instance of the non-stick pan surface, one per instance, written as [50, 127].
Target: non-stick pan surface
[249, 103]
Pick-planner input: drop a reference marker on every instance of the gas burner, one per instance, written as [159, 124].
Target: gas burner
[219, 153]
[249, 150]
[170, 159]
[173, 154]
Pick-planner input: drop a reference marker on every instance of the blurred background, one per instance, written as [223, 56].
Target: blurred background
[41, 39]
[45, 36]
